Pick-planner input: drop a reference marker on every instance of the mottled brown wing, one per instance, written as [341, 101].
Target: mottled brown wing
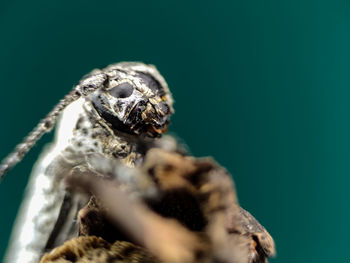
[91, 249]
[260, 242]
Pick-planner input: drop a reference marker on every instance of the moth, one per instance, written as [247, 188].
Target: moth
[119, 112]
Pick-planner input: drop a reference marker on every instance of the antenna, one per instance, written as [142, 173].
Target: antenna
[44, 126]
[93, 81]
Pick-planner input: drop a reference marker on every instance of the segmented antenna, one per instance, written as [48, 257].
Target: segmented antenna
[87, 85]
[44, 126]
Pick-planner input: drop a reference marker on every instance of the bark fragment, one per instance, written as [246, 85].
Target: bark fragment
[192, 216]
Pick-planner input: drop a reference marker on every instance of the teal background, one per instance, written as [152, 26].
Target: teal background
[262, 86]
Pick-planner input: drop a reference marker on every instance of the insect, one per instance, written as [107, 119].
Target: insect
[119, 112]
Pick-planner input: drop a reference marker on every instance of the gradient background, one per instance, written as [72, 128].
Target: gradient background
[262, 86]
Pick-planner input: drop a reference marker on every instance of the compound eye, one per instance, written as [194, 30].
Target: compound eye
[123, 90]
[152, 83]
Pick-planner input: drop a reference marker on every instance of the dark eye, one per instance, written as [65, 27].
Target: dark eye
[152, 83]
[123, 90]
